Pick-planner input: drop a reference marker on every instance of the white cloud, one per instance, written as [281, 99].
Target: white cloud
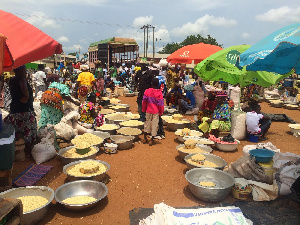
[245, 35]
[142, 20]
[73, 48]
[63, 39]
[202, 25]
[280, 15]
[39, 19]
[59, 2]
[201, 5]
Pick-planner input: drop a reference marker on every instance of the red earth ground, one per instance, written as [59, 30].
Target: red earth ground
[147, 175]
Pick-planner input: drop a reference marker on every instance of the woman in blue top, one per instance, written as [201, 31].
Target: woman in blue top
[187, 103]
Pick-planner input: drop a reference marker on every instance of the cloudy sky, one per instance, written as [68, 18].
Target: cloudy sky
[78, 23]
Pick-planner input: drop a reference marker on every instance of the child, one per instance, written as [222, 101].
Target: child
[153, 105]
[256, 122]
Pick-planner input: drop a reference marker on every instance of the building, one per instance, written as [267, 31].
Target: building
[114, 50]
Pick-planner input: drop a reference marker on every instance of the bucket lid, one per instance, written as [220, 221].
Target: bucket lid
[7, 134]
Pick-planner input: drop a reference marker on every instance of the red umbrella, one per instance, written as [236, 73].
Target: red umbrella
[5, 56]
[196, 52]
[25, 42]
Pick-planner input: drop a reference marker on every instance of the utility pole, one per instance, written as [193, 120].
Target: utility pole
[153, 44]
[143, 27]
[147, 41]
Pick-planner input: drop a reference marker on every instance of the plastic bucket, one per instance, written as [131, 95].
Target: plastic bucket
[253, 138]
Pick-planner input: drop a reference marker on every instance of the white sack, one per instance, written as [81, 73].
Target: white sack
[44, 150]
[64, 131]
[238, 125]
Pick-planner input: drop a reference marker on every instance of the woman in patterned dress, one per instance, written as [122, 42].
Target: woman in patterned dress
[22, 115]
[52, 103]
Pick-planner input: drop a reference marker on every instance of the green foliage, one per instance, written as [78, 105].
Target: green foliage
[73, 53]
[189, 40]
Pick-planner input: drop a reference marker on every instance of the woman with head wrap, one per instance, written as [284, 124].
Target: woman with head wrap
[52, 103]
[85, 83]
[22, 115]
[88, 112]
[221, 118]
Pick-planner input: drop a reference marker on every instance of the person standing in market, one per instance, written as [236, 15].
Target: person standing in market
[85, 83]
[40, 80]
[143, 79]
[22, 115]
[153, 106]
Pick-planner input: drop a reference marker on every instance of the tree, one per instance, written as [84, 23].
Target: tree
[73, 53]
[189, 40]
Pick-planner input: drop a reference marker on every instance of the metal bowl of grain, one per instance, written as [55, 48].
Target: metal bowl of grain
[34, 196]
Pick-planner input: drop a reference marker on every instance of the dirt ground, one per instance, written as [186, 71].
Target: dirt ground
[147, 175]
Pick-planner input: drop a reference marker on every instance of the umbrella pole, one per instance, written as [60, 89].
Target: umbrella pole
[241, 85]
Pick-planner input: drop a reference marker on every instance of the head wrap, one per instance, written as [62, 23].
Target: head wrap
[188, 87]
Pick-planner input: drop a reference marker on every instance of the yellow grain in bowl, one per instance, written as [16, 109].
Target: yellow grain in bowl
[86, 169]
[107, 127]
[32, 202]
[79, 200]
[131, 123]
[87, 137]
[72, 153]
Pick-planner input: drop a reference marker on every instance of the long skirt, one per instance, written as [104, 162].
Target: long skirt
[151, 124]
[24, 124]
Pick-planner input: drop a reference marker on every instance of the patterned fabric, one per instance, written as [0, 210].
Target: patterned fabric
[24, 124]
[6, 97]
[99, 120]
[52, 97]
[222, 112]
[83, 90]
[49, 115]
[31, 175]
[85, 112]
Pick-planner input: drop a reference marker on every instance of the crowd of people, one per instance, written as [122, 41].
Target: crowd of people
[157, 87]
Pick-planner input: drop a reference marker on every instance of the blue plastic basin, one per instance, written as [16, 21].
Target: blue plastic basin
[262, 155]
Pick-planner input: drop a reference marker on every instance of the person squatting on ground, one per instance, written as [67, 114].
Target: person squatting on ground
[153, 105]
[256, 122]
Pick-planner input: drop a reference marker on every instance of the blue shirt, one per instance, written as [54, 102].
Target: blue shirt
[191, 97]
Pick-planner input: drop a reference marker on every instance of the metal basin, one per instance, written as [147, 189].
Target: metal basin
[221, 163]
[182, 154]
[129, 94]
[176, 126]
[164, 119]
[224, 182]
[98, 177]
[193, 133]
[103, 135]
[89, 188]
[226, 147]
[126, 109]
[111, 131]
[34, 216]
[136, 137]
[69, 160]
[123, 141]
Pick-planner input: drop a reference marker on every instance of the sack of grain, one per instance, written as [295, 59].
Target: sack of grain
[44, 150]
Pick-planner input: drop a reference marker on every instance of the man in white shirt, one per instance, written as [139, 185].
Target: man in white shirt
[256, 122]
[40, 80]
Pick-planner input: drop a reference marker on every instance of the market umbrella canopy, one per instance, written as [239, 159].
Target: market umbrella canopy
[279, 52]
[221, 67]
[190, 53]
[5, 56]
[25, 42]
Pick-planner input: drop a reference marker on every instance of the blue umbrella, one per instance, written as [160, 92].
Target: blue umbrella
[279, 52]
